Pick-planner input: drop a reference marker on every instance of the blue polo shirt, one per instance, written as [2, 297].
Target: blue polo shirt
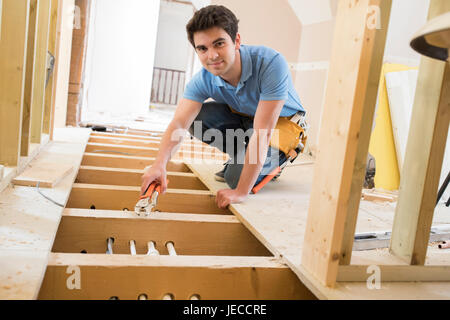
[265, 76]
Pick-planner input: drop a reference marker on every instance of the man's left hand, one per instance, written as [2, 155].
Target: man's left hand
[226, 196]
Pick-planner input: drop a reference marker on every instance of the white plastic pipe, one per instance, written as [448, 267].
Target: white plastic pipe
[168, 296]
[151, 249]
[171, 248]
[109, 243]
[133, 247]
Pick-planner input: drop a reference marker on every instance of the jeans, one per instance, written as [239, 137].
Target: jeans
[230, 132]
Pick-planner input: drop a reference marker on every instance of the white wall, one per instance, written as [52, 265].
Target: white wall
[407, 16]
[173, 48]
[119, 62]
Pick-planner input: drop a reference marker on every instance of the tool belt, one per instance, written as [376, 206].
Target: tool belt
[290, 134]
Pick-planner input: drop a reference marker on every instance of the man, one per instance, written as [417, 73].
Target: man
[251, 87]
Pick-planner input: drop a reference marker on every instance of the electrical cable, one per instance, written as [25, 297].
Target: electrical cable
[46, 197]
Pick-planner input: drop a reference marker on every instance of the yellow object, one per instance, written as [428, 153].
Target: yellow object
[286, 136]
[382, 145]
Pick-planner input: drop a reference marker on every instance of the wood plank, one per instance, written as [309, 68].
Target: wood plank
[124, 136]
[40, 70]
[129, 162]
[60, 76]
[423, 156]
[389, 273]
[47, 174]
[339, 136]
[50, 89]
[29, 221]
[277, 217]
[199, 146]
[84, 196]
[183, 152]
[28, 93]
[197, 234]
[103, 276]
[132, 177]
[359, 170]
[13, 53]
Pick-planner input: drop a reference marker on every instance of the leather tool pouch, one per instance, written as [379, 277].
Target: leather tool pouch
[287, 135]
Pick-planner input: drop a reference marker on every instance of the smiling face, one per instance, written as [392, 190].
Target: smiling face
[217, 52]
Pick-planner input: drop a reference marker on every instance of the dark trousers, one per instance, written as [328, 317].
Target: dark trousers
[230, 132]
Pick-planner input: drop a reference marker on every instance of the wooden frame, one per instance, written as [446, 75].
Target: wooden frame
[13, 54]
[337, 189]
[129, 162]
[181, 276]
[110, 197]
[29, 30]
[210, 242]
[192, 234]
[132, 177]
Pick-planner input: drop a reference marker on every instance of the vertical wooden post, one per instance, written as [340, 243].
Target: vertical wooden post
[40, 70]
[49, 90]
[359, 170]
[79, 42]
[13, 53]
[348, 80]
[28, 94]
[423, 157]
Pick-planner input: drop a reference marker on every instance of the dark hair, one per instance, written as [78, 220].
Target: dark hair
[212, 16]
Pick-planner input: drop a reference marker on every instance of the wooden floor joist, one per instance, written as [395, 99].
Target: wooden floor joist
[210, 277]
[108, 197]
[129, 162]
[111, 135]
[192, 234]
[144, 143]
[132, 177]
[189, 152]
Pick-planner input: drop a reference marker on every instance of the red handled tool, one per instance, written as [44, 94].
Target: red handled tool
[148, 200]
[292, 155]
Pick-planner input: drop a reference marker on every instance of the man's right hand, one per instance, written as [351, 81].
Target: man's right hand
[154, 173]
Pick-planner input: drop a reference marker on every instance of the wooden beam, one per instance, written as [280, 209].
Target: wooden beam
[199, 146]
[59, 43]
[125, 131]
[124, 136]
[132, 177]
[28, 93]
[423, 156]
[40, 70]
[359, 170]
[211, 277]
[13, 54]
[77, 61]
[395, 273]
[50, 89]
[107, 197]
[130, 162]
[192, 234]
[183, 152]
[343, 109]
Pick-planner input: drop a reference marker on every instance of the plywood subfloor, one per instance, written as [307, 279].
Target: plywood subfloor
[277, 217]
[28, 222]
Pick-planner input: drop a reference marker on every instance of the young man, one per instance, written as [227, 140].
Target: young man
[252, 89]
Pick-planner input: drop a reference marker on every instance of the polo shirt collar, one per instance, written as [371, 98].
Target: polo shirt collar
[246, 65]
